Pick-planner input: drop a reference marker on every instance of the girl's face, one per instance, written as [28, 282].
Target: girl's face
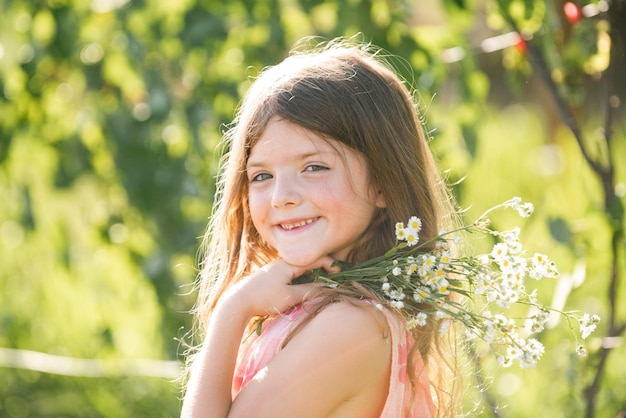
[309, 197]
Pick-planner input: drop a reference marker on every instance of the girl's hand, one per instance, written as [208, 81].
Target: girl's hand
[269, 290]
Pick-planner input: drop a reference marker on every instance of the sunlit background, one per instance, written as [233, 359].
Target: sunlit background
[110, 116]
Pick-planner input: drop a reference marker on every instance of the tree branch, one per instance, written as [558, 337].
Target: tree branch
[606, 173]
[564, 110]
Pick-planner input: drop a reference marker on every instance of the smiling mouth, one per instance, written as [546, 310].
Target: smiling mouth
[289, 227]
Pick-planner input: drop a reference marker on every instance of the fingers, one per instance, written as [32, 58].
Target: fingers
[329, 265]
[302, 292]
[270, 289]
[326, 263]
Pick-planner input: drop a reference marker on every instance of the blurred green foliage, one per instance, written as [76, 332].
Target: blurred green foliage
[111, 112]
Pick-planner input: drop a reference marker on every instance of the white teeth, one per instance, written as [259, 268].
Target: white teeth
[296, 225]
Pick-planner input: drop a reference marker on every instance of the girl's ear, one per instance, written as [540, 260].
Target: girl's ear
[380, 200]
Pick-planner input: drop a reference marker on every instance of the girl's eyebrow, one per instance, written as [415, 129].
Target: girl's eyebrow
[298, 157]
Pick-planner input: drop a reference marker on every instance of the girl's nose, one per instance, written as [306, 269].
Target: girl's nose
[286, 192]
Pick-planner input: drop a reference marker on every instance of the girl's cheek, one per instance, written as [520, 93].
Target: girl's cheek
[253, 207]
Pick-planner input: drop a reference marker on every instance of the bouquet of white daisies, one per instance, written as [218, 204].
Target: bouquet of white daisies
[476, 291]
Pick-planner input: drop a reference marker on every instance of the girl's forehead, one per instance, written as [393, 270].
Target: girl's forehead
[280, 133]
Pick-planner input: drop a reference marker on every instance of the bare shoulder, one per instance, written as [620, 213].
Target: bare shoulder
[337, 365]
[356, 329]
[358, 320]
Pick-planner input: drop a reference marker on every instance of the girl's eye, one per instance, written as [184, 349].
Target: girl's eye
[260, 177]
[315, 167]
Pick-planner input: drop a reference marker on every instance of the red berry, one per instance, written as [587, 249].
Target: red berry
[572, 12]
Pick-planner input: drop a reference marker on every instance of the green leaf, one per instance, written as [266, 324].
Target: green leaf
[560, 230]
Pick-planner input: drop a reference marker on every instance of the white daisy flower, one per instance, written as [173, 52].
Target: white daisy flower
[415, 223]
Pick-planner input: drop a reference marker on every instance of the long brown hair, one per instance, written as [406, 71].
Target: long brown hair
[346, 93]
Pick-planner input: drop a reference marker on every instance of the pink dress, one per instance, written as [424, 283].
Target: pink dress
[257, 351]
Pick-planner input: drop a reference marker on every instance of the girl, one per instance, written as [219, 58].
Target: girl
[327, 153]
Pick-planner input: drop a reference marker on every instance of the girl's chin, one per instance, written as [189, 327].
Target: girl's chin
[305, 260]
[300, 259]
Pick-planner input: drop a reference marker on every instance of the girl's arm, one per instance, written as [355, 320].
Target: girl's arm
[266, 291]
[209, 388]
